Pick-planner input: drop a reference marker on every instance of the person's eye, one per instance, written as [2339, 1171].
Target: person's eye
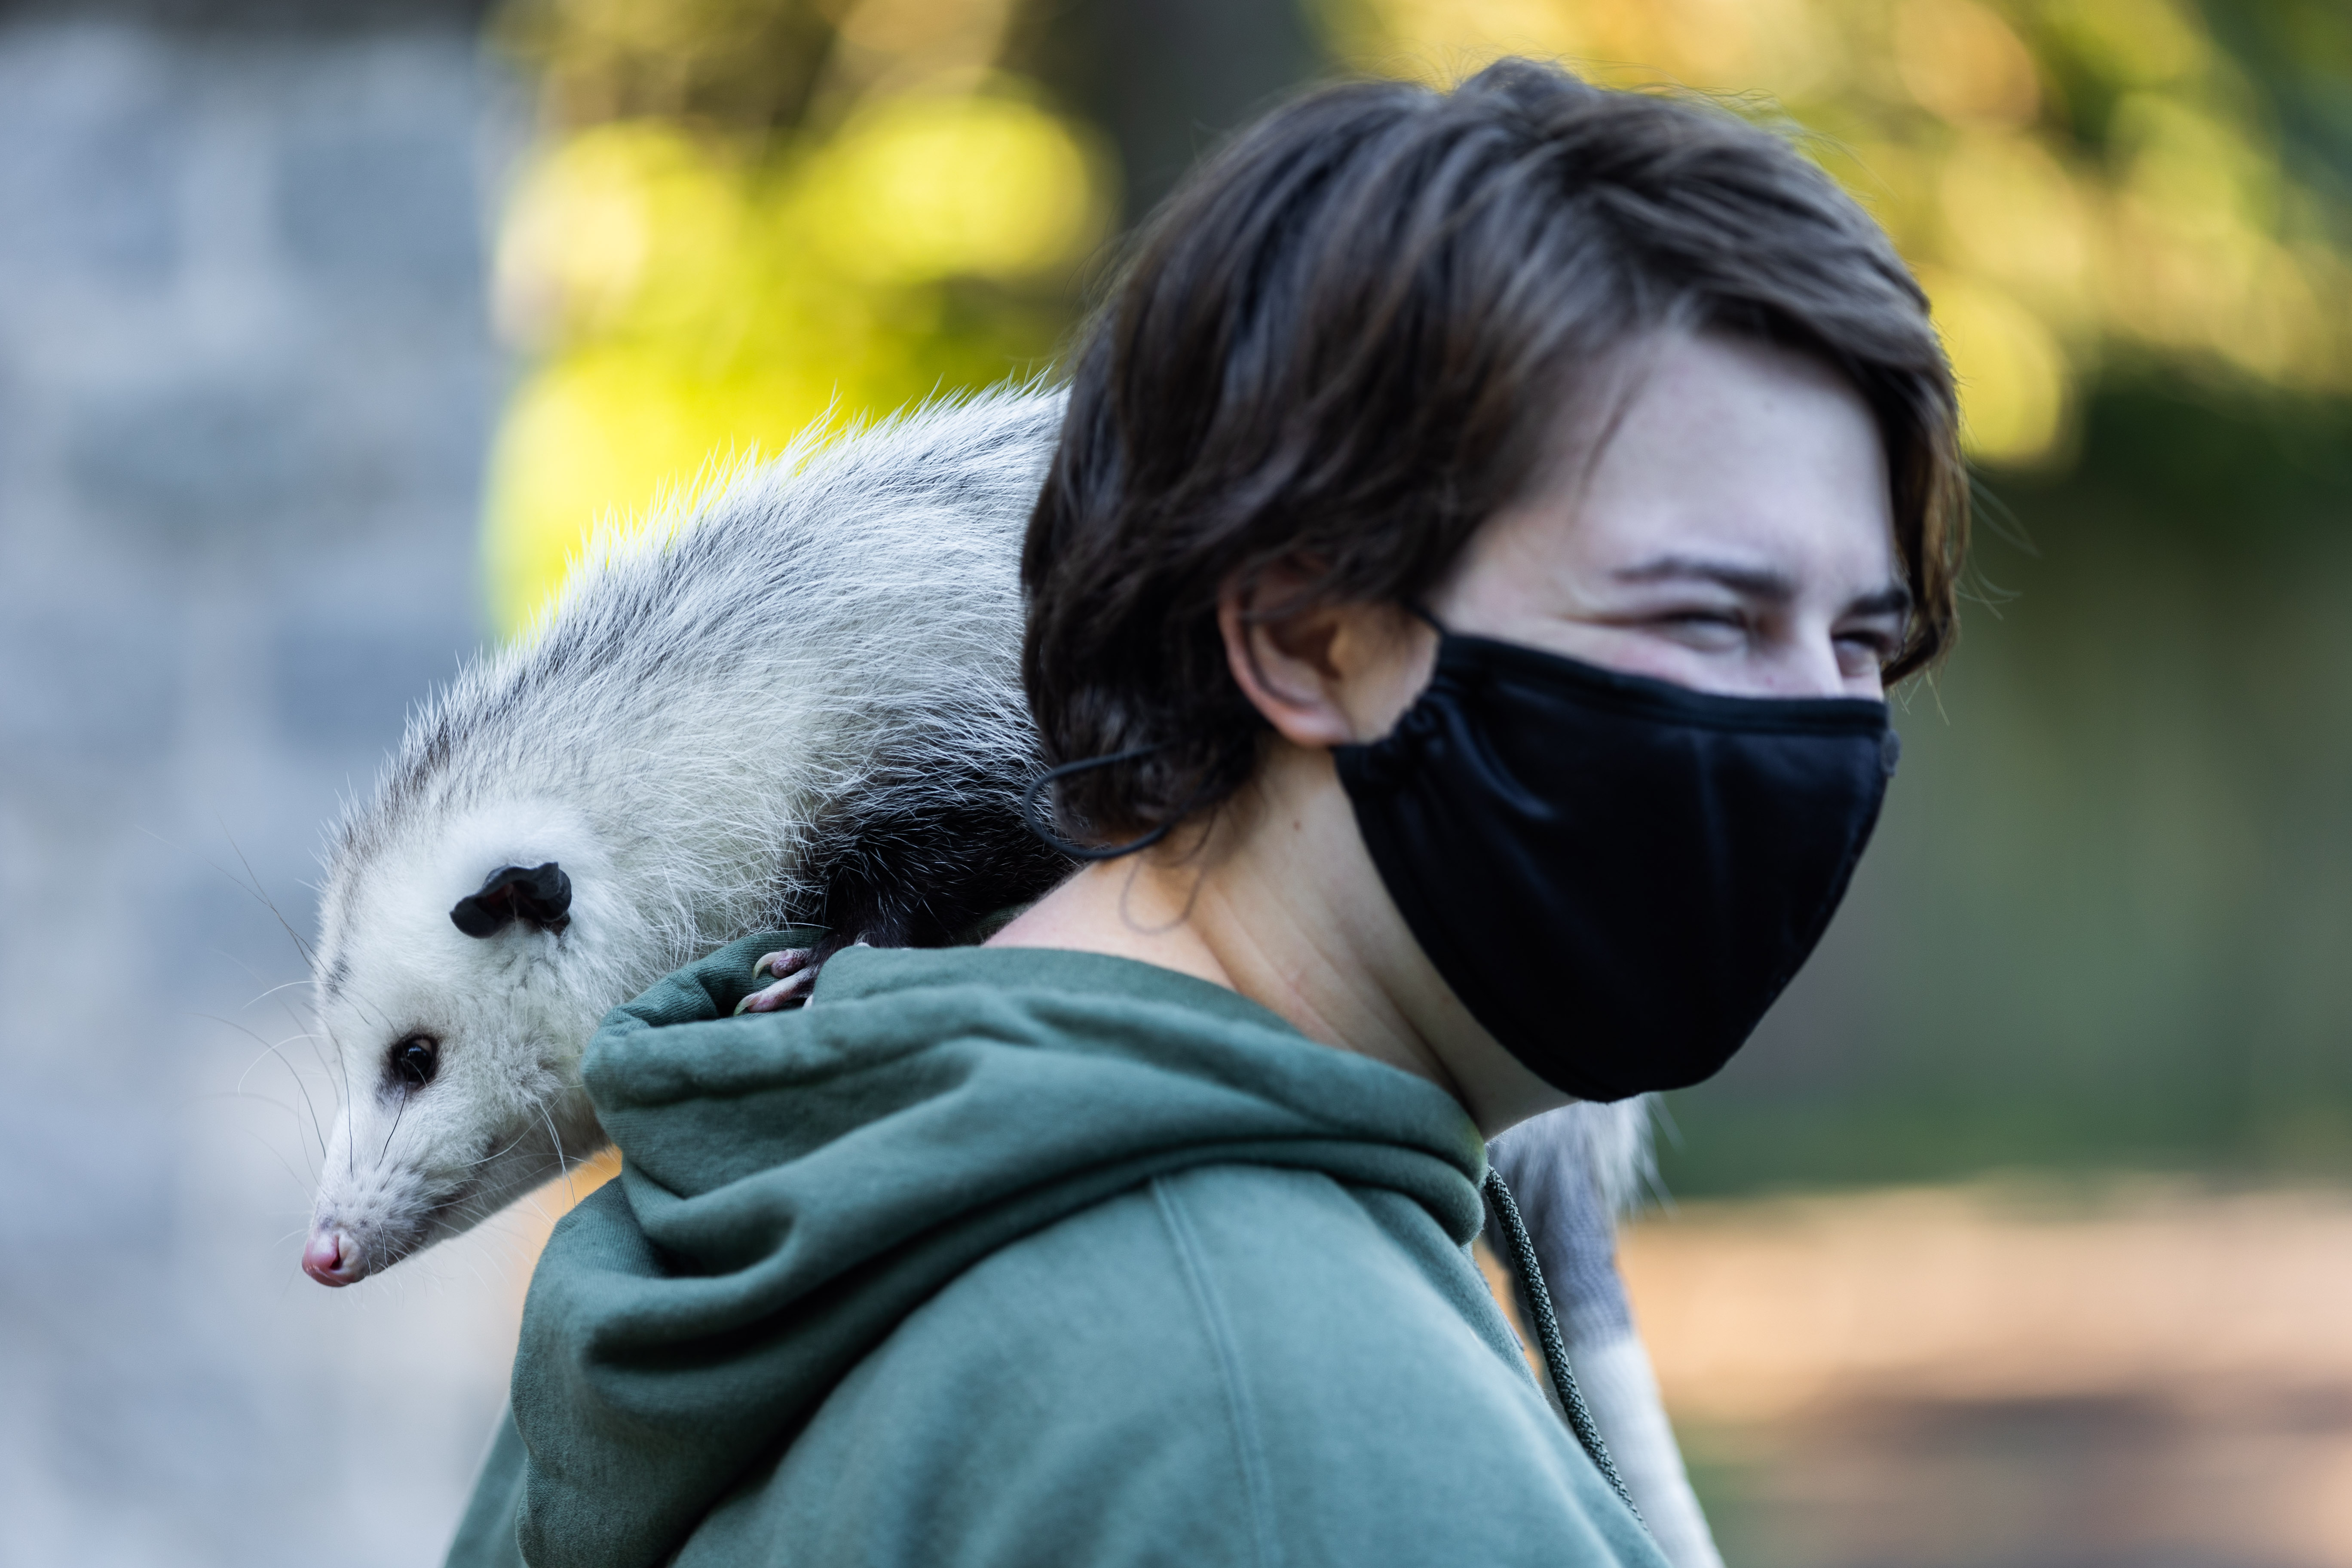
[1875, 644]
[1705, 621]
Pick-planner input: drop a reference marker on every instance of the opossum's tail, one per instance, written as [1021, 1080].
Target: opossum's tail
[1574, 1172]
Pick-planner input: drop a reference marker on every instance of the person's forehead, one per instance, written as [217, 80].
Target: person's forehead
[1696, 393]
[1741, 448]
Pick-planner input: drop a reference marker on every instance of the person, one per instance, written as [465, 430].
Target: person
[1461, 606]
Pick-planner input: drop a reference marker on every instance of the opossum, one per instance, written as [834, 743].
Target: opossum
[797, 702]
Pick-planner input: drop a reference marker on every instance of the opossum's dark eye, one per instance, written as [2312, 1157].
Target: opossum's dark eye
[413, 1061]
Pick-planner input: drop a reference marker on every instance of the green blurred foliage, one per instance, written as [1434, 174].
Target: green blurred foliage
[734, 66]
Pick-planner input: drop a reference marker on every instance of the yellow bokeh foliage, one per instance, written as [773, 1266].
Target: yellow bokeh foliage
[2174, 230]
[687, 300]
[925, 188]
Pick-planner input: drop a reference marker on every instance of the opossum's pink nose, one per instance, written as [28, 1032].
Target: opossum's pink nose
[327, 1258]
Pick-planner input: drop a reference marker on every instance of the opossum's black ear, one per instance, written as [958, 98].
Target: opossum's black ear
[540, 896]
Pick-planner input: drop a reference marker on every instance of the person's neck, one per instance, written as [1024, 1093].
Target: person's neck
[1247, 902]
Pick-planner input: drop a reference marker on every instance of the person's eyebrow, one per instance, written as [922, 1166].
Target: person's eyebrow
[1748, 581]
[1894, 599]
[1760, 583]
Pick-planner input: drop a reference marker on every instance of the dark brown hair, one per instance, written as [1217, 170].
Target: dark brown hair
[1346, 341]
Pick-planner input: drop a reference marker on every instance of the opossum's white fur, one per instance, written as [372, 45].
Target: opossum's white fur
[1607, 1148]
[702, 692]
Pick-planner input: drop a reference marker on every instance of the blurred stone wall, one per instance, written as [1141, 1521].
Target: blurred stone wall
[245, 381]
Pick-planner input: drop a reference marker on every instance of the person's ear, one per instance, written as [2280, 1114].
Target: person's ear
[1323, 675]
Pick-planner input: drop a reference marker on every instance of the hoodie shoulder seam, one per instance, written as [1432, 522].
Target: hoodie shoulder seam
[1241, 1410]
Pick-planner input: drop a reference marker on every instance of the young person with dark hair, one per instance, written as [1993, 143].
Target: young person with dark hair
[1460, 609]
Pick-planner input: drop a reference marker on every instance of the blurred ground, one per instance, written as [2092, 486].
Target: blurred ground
[2153, 1375]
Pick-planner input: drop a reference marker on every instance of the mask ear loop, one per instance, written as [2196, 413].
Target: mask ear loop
[1033, 813]
[1033, 816]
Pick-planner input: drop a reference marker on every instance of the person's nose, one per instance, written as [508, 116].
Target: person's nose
[1807, 665]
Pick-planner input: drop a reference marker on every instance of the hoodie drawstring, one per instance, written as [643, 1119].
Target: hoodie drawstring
[1547, 1338]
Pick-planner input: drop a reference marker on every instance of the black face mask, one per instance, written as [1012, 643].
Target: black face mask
[1616, 875]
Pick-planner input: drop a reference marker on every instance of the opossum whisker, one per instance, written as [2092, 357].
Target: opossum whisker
[252, 891]
[538, 1209]
[251, 973]
[269, 1049]
[301, 1179]
[555, 1140]
[375, 1015]
[241, 1092]
[297, 1019]
[256, 888]
[474, 1267]
[245, 1097]
[478, 1163]
[394, 1132]
[330, 1069]
[291, 1016]
[343, 1085]
[308, 1177]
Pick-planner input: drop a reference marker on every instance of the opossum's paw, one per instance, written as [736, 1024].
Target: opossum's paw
[796, 968]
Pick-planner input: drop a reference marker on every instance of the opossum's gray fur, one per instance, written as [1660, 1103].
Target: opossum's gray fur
[797, 699]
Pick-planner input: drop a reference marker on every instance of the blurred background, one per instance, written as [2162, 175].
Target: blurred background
[2023, 1233]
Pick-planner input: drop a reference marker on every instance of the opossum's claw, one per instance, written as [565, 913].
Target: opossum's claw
[789, 962]
[790, 992]
[798, 978]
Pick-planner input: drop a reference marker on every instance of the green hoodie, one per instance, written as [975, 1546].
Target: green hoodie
[1016, 1256]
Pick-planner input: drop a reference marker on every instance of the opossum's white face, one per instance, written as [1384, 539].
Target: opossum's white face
[459, 1053]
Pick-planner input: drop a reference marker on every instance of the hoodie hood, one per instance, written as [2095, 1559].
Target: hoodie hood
[793, 1185]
